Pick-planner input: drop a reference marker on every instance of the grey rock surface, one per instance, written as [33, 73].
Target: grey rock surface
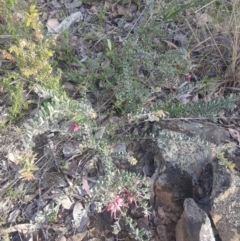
[206, 131]
[69, 149]
[225, 204]
[194, 224]
[180, 163]
[186, 169]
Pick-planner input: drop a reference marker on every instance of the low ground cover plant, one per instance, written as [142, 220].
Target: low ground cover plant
[142, 78]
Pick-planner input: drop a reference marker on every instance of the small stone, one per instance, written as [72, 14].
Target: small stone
[62, 238]
[69, 149]
[120, 147]
[74, 4]
[194, 223]
[66, 202]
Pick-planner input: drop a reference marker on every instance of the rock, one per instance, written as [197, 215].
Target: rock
[194, 224]
[74, 4]
[172, 187]
[225, 203]
[206, 131]
[184, 168]
[180, 163]
[70, 149]
[190, 154]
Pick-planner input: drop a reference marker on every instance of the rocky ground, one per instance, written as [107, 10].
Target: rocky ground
[191, 162]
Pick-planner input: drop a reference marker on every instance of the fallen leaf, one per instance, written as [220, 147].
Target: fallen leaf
[183, 85]
[85, 185]
[13, 216]
[195, 98]
[93, 9]
[11, 157]
[52, 24]
[74, 4]
[184, 98]
[56, 4]
[69, 86]
[30, 197]
[66, 202]
[67, 22]
[107, 6]
[121, 10]
[44, 16]
[170, 44]
[80, 217]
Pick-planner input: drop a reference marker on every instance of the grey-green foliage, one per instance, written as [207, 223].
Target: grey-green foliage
[139, 64]
[114, 183]
[201, 109]
[139, 67]
[138, 234]
[133, 230]
[58, 108]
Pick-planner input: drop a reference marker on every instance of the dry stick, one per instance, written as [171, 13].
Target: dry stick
[219, 51]
[205, 6]
[199, 43]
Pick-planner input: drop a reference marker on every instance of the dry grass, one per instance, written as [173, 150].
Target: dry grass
[214, 42]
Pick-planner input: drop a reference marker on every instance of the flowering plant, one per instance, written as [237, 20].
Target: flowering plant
[116, 206]
[120, 193]
[74, 127]
[121, 201]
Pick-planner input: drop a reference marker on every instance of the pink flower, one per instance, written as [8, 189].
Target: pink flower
[131, 198]
[74, 127]
[116, 206]
[188, 76]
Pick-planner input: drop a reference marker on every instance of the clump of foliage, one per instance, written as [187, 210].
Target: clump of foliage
[114, 191]
[121, 191]
[29, 56]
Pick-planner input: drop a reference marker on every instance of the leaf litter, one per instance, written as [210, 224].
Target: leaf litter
[53, 196]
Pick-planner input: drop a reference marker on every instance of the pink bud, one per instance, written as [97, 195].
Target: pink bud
[74, 127]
